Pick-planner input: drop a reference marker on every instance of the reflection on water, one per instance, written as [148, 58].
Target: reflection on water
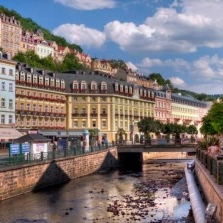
[146, 196]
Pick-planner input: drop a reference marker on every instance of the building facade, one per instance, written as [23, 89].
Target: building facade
[10, 35]
[67, 104]
[7, 100]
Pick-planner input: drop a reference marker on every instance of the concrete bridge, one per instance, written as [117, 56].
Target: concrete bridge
[141, 148]
[132, 155]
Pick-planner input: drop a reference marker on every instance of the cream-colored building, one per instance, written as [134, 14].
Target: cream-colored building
[10, 35]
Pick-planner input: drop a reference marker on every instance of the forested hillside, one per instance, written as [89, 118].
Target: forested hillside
[29, 24]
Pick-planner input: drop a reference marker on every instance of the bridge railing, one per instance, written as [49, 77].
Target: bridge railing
[213, 163]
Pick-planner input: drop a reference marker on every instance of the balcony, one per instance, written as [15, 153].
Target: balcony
[104, 114]
[83, 114]
[94, 114]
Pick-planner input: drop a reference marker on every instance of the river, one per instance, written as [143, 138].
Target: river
[154, 194]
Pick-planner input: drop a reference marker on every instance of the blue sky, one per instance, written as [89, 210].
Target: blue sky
[180, 39]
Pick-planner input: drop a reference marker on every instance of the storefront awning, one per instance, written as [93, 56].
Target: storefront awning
[9, 133]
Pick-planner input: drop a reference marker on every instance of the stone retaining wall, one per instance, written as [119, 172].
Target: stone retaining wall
[212, 191]
[30, 177]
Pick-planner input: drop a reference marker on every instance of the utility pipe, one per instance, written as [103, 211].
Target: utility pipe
[197, 204]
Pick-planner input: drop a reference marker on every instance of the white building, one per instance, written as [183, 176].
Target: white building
[7, 100]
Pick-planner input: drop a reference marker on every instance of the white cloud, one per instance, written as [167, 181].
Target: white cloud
[208, 67]
[88, 4]
[131, 66]
[81, 35]
[177, 82]
[183, 28]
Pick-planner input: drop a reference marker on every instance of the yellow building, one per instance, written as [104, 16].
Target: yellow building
[66, 104]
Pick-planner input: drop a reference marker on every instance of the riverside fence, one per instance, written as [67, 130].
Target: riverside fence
[214, 163]
[16, 160]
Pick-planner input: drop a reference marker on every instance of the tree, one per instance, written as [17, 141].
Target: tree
[213, 121]
[158, 77]
[148, 125]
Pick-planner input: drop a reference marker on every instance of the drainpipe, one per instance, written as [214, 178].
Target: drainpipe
[197, 204]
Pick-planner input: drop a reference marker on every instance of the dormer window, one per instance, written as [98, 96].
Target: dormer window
[35, 79]
[62, 84]
[103, 86]
[126, 89]
[93, 86]
[75, 86]
[57, 83]
[83, 86]
[47, 81]
[130, 90]
[40, 79]
[140, 92]
[121, 88]
[116, 87]
[52, 82]
[29, 78]
[22, 76]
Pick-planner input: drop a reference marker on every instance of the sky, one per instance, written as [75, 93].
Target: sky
[180, 39]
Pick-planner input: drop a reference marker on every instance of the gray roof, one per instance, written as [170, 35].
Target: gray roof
[31, 138]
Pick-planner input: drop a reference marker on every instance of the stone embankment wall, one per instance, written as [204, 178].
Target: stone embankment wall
[30, 177]
[212, 191]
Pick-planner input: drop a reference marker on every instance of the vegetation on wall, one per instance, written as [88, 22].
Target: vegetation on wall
[70, 62]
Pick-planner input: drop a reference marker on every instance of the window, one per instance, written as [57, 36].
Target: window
[10, 72]
[94, 124]
[94, 110]
[10, 103]
[2, 119]
[3, 70]
[3, 102]
[84, 124]
[103, 124]
[103, 110]
[10, 87]
[75, 124]
[83, 111]
[75, 98]
[3, 86]
[75, 110]
[10, 119]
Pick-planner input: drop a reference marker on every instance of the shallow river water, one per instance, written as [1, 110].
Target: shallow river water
[157, 193]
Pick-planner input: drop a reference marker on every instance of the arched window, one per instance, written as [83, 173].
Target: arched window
[47, 81]
[116, 87]
[35, 79]
[29, 78]
[22, 76]
[83, 86]
[41, 79]
[126, 89]
[52, 82]
[130, 89]
[62, 84]
[103, 86]
[121, 88]
[75, 86]
[57, 83]
[94, 86]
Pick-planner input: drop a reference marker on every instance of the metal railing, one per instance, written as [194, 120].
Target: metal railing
[17, 160]
[214, 163]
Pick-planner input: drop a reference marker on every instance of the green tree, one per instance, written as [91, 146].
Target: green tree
[148, 125]
[158, 77]
[212, 123]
